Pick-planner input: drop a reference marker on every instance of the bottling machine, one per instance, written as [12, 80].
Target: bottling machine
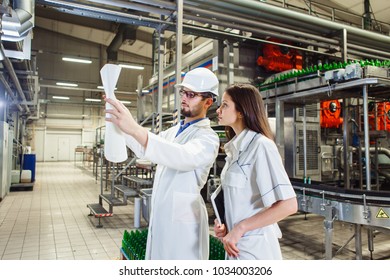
[338, 157]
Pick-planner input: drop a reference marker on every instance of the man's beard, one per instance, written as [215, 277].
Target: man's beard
[186, 113]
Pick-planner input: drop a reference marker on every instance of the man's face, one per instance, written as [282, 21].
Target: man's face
[192, 103]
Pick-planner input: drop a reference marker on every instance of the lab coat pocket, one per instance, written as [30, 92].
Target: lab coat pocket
[186, 208]
[260, 246]
[235, 180]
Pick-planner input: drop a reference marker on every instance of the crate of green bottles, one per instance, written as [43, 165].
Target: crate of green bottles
[134, 246]
[217, 252]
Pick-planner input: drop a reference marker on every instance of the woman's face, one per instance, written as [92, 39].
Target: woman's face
[227, 113]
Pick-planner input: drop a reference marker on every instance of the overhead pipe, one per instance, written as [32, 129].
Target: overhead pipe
[126, 5]
[37, 115]
[11, 71]
[123, 17]
[271, 10]
[242, 37]
[262, 25]
[10, 92]
[225, 7]
[104, 14]
[258, 29]
[363, 54]
[27, 65]
[158, 3]
[132, 6]
[381, 150]
[252, 22]
[368, 50]
[352, 37]
[148, 20]
[381, 41]
[271, 34]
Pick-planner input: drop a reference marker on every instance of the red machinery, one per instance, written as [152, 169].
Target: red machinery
[330, 114]
[382, 117]
[278, 58]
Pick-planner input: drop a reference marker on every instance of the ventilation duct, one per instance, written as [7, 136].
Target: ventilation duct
[17, 23]
[126, 34]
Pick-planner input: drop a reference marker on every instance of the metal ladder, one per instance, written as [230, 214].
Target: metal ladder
[96, 209]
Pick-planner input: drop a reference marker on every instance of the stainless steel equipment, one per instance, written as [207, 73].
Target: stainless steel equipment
[348, 158]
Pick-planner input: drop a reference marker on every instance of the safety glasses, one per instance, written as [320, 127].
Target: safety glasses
[191, 94]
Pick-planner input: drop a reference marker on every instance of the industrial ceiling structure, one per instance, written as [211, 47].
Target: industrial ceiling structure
[36, 34]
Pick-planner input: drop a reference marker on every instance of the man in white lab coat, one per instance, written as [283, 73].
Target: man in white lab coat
[184, 154]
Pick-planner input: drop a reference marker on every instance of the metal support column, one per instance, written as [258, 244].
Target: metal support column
[346, 141]
[179, 35]
[279, 126]
[329, 214]
[358, 241]
[366, 138]
[161, 49]
[229, 62]
[140, 99]
[344, 46]
[304, 144]
[328, 228]
[370, 237]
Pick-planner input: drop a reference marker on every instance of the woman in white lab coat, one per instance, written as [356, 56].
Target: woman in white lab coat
[184, 154]
[257, 190]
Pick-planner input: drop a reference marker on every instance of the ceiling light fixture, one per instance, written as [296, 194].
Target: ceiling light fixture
[66, 84]
[101, 87]
[143, 91]
[78, 60]
[135, 67]
[93, 100]
[61, 97]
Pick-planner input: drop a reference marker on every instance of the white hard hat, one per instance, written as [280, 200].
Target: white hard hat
[200, 80]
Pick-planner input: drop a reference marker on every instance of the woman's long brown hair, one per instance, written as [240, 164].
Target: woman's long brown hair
[249, 103]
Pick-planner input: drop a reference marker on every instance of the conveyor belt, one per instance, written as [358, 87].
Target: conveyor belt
[359, 207]
[370, 208]
[341, 194]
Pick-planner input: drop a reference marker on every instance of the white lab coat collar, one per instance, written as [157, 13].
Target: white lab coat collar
[203, 123]
[239, 143]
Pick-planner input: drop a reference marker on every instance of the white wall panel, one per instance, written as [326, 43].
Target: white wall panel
[54, 138]
[39, 143]
[88, 137]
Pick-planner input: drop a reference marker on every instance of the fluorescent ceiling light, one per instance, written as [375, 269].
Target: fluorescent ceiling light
[143, 91]
[61, 97]
[66, 84]
[78, 60]
[125, 102]
[93, 100]
[136, 67]
[101, 87]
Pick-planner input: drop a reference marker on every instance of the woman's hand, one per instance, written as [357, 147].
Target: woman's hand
[220, 230]
[230, 241]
